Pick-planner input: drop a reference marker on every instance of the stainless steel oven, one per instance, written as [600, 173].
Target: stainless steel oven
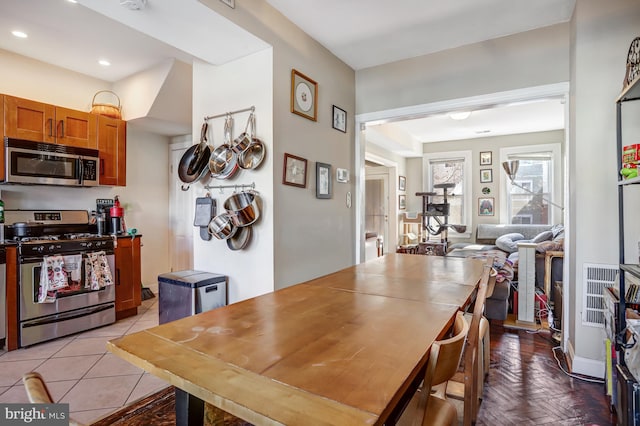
[63, 236]
[76, 308]
[50, 164]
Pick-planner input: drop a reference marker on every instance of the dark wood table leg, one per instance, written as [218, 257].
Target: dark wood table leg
[189, 409]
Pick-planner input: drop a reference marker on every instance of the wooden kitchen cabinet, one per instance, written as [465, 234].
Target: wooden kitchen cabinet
[40, 122]
[76, 128]
[112, 143]
[128, 277]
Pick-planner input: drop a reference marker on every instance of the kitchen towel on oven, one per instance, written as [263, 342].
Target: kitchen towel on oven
[73, 267]
[52, 277]
[97, 270]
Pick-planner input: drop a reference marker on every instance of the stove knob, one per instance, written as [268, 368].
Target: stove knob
[89, 244]
[39, 249]
[52, 248]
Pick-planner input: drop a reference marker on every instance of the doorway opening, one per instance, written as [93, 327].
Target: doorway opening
[559, 91]
[180, 207]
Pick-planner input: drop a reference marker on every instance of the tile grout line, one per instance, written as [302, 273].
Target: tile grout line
[147, 314]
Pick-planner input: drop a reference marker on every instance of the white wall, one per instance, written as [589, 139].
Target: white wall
[601, 35]
[145, 197]
[312, 237]
[218, 89]
[528, 59]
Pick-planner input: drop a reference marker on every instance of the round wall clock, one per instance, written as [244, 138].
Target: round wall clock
[633, 61]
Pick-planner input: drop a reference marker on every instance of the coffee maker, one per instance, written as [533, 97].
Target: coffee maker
[103, 210]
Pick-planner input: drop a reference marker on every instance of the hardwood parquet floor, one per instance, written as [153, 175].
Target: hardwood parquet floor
[526, 387]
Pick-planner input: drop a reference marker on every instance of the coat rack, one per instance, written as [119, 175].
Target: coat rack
[211, 117]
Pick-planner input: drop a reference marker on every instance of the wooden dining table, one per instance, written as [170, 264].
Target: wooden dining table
[342, 349]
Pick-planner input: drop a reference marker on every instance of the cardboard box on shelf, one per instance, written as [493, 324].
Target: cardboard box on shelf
[631, 154]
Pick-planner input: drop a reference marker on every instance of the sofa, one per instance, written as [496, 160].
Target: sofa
[500, 241]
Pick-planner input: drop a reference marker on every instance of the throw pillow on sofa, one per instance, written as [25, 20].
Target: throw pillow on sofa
[509, 242]
[543, 236]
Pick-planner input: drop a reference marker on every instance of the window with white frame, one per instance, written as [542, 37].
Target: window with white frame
[453, 168]
[536, 185]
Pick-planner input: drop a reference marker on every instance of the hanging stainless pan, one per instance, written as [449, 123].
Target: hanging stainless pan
[243, 208]
[240, 239]
[193, 164]
[222, 227]
[223, 161]
[252, 157]
[242, 142]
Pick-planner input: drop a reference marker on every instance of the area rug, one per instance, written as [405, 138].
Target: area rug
[158, 409]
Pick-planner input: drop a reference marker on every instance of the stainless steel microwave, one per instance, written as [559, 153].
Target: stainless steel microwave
[41, 163]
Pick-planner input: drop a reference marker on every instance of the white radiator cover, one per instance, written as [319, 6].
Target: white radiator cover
[595, 278]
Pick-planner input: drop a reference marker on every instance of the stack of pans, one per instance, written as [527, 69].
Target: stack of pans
[234, 225]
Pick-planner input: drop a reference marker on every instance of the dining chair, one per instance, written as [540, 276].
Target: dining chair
[468, 384]
[38, 393]
[444, 359]
[484, 350]
[472, 354]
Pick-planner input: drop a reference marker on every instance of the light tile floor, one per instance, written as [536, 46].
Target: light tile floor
[80, 371]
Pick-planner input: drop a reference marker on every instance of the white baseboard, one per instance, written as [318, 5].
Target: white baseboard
[585, 366]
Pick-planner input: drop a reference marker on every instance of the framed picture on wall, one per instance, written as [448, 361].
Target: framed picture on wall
[402, 183]
[304, 96]
[339, 119]
[323, 180]
[402, 202]
[485, 158]
[485, 206]
[486, 175]
[294, 172]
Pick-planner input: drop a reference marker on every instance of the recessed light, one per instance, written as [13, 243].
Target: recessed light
[19, 34]
[73, 1]
[104, 62]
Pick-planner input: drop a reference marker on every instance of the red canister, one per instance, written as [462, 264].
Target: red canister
[116, 210]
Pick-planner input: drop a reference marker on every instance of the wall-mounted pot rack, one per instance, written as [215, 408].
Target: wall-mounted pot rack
[236, 187]
[226, 114]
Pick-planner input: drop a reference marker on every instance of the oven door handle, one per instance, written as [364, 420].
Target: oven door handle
[79, 313]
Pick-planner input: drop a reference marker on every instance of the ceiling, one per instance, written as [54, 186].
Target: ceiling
[76, 36]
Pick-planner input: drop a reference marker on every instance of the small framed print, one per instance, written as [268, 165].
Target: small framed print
[486, 175]
[304, 96]
[294, 171]
[485, 206]
[402, 202]
[485, 158]
[323, 180]
[402, 183]
[339, 119]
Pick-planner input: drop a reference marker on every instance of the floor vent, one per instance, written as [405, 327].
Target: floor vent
[596, 278]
